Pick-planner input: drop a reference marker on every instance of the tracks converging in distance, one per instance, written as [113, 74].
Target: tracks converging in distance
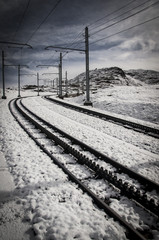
[76, 154]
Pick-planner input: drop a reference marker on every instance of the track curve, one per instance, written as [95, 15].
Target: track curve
[97, 169]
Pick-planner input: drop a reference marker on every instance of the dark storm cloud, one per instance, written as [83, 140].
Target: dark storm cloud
[12, 18]
[68, 14]
[70, 18]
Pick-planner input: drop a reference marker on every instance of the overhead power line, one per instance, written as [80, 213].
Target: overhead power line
[54, 7]
[75, 41]
[22, 18]
[93, 23]
[123, 19]
[139, 24]
[120, 14]
[110, 14]
[77, 44]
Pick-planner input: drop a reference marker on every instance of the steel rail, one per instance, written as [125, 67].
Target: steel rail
[136, 126]
[126, 189]
[131, 233]
[148, 184]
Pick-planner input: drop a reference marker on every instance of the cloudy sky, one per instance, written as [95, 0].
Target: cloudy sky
[121, 33]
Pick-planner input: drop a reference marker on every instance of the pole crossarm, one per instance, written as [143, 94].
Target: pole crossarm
[19, 44]
[44, 79]
[49, 73]
[10, 65]
[3, 79]
[65, 48]
[47, 66]
[28, 74]
[16, 65]
[15, 47]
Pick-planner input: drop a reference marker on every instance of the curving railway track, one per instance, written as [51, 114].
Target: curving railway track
[154, 132]
[75, 154]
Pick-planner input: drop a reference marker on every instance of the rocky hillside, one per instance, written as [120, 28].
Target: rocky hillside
[106, 77]
[146, 76]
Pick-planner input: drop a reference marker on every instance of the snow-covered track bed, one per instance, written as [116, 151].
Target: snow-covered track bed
[84, 169]
[154, 132]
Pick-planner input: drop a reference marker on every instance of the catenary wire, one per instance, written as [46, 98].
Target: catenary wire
[123, 19]
[139, 24]
[105, 17]
[109, 14]
[75, 39]
[54, 7]
[96, 22]
[22, 18]
[74, 43]
[121, 14]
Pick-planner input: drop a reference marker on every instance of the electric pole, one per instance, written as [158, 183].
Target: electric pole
[57, 86]
[3, 80]
[66, 83]
[86, 51]
[18, 80]
[87, 102]
[60, 77]
[38, 82]
[19, 66]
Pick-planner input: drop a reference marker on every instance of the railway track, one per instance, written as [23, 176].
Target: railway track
[76, 150]
[154, 132]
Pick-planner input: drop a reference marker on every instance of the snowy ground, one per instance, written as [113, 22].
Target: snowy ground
[140, 102]
[39, 195]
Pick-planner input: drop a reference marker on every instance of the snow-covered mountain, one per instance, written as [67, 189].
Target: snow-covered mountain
[106, 77]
